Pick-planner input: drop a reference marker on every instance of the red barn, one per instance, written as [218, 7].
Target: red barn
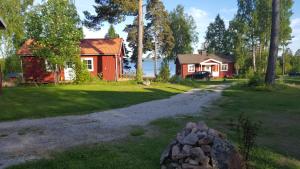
[103, 58]
[217, 65]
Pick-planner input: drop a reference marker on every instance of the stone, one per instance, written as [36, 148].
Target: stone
[197, 152]
[216, 133]
[190, 139]
[176, 152]
[166, 152]
[190, 125]
[201, 148]
[201, 134]
[205, 141]
[186, 150]
[190, 166]
[202, 126]
[147, 83]
[206, 148]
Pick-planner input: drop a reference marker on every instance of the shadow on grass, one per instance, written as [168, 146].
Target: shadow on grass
[19, 103]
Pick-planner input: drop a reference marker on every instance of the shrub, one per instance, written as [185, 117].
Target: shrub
[247, 132]
[164, 73]
[82, 73]
[256, 80]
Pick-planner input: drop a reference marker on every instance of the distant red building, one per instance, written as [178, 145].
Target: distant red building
[217, 65]
[103, 57]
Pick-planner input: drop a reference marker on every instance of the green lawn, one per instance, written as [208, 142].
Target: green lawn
[45, 101]
[278, 141]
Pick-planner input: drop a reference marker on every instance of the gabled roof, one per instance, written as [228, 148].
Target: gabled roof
[87, 46]
[198, 58]
[2, 24]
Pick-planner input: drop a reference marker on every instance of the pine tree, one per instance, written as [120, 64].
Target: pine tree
[160, 31]
[111, 34]
[270, 75]
[215, 36]
[115, 11]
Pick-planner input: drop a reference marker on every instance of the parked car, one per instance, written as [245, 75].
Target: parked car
[294, 74]
[200, 75]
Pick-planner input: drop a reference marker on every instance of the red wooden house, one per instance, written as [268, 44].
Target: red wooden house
[103, 57]
[218, 65]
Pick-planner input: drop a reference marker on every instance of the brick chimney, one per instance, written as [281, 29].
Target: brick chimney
[202, 52]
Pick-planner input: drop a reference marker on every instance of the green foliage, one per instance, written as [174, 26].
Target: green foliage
[137, 131]
[184, 31]
[76, 99]
[111, 33]
[139, 75]
[247, 133]
[13, 13]
[255, 79]
[12, 64]
[81, 72]
[113, 11]
[215, 36]
[164, 73]
[56, 30]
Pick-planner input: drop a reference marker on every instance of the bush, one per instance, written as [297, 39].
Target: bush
[82, 73]
[164, 73]
[256, 80]
[247, 132]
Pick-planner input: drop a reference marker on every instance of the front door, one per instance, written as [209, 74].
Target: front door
[69, 71]
[207, 68]
[215, 71]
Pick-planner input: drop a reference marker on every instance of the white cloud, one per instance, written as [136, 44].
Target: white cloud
[202, 21]
[228, 10]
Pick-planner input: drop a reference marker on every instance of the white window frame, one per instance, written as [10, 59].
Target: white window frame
[191, 66]
[92, 62]
[47, 66]
[224, 70]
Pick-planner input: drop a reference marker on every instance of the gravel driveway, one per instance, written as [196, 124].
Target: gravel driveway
[32, 139]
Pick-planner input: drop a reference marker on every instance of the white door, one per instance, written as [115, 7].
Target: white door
[207, 68]
[69, 71]
[215, 71]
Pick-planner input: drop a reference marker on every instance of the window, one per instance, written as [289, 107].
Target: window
[48, 66]
[69, 65]
[88, 62]
[224, 67]
[191, 67]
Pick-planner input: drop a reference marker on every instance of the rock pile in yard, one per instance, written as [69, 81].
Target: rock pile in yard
[200, 147]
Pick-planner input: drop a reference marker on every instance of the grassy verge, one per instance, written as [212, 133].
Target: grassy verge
[46, 101]
[278, 140]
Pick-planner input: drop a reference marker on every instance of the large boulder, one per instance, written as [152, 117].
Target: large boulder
[199, 147]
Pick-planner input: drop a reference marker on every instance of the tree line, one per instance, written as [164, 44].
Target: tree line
[161, 33]
[248, 37]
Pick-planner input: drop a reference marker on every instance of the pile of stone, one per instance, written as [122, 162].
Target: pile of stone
[199, 147]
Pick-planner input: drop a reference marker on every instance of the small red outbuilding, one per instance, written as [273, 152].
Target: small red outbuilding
[103, 57]
[218, 65]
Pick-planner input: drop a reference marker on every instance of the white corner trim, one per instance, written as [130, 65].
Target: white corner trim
[92, 60]
[224, 70]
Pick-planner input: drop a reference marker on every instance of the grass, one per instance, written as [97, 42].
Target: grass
[278, 141]
[47, 101]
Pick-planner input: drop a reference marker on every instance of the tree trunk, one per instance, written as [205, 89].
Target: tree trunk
[155, 59]
[140, 43]
[283, 61]
[0, 80]
[273, 51]
[254, 57]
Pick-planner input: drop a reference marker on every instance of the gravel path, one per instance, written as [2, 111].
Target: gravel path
[32, 139]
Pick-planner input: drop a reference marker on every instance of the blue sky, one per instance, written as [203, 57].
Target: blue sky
[203, 11]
